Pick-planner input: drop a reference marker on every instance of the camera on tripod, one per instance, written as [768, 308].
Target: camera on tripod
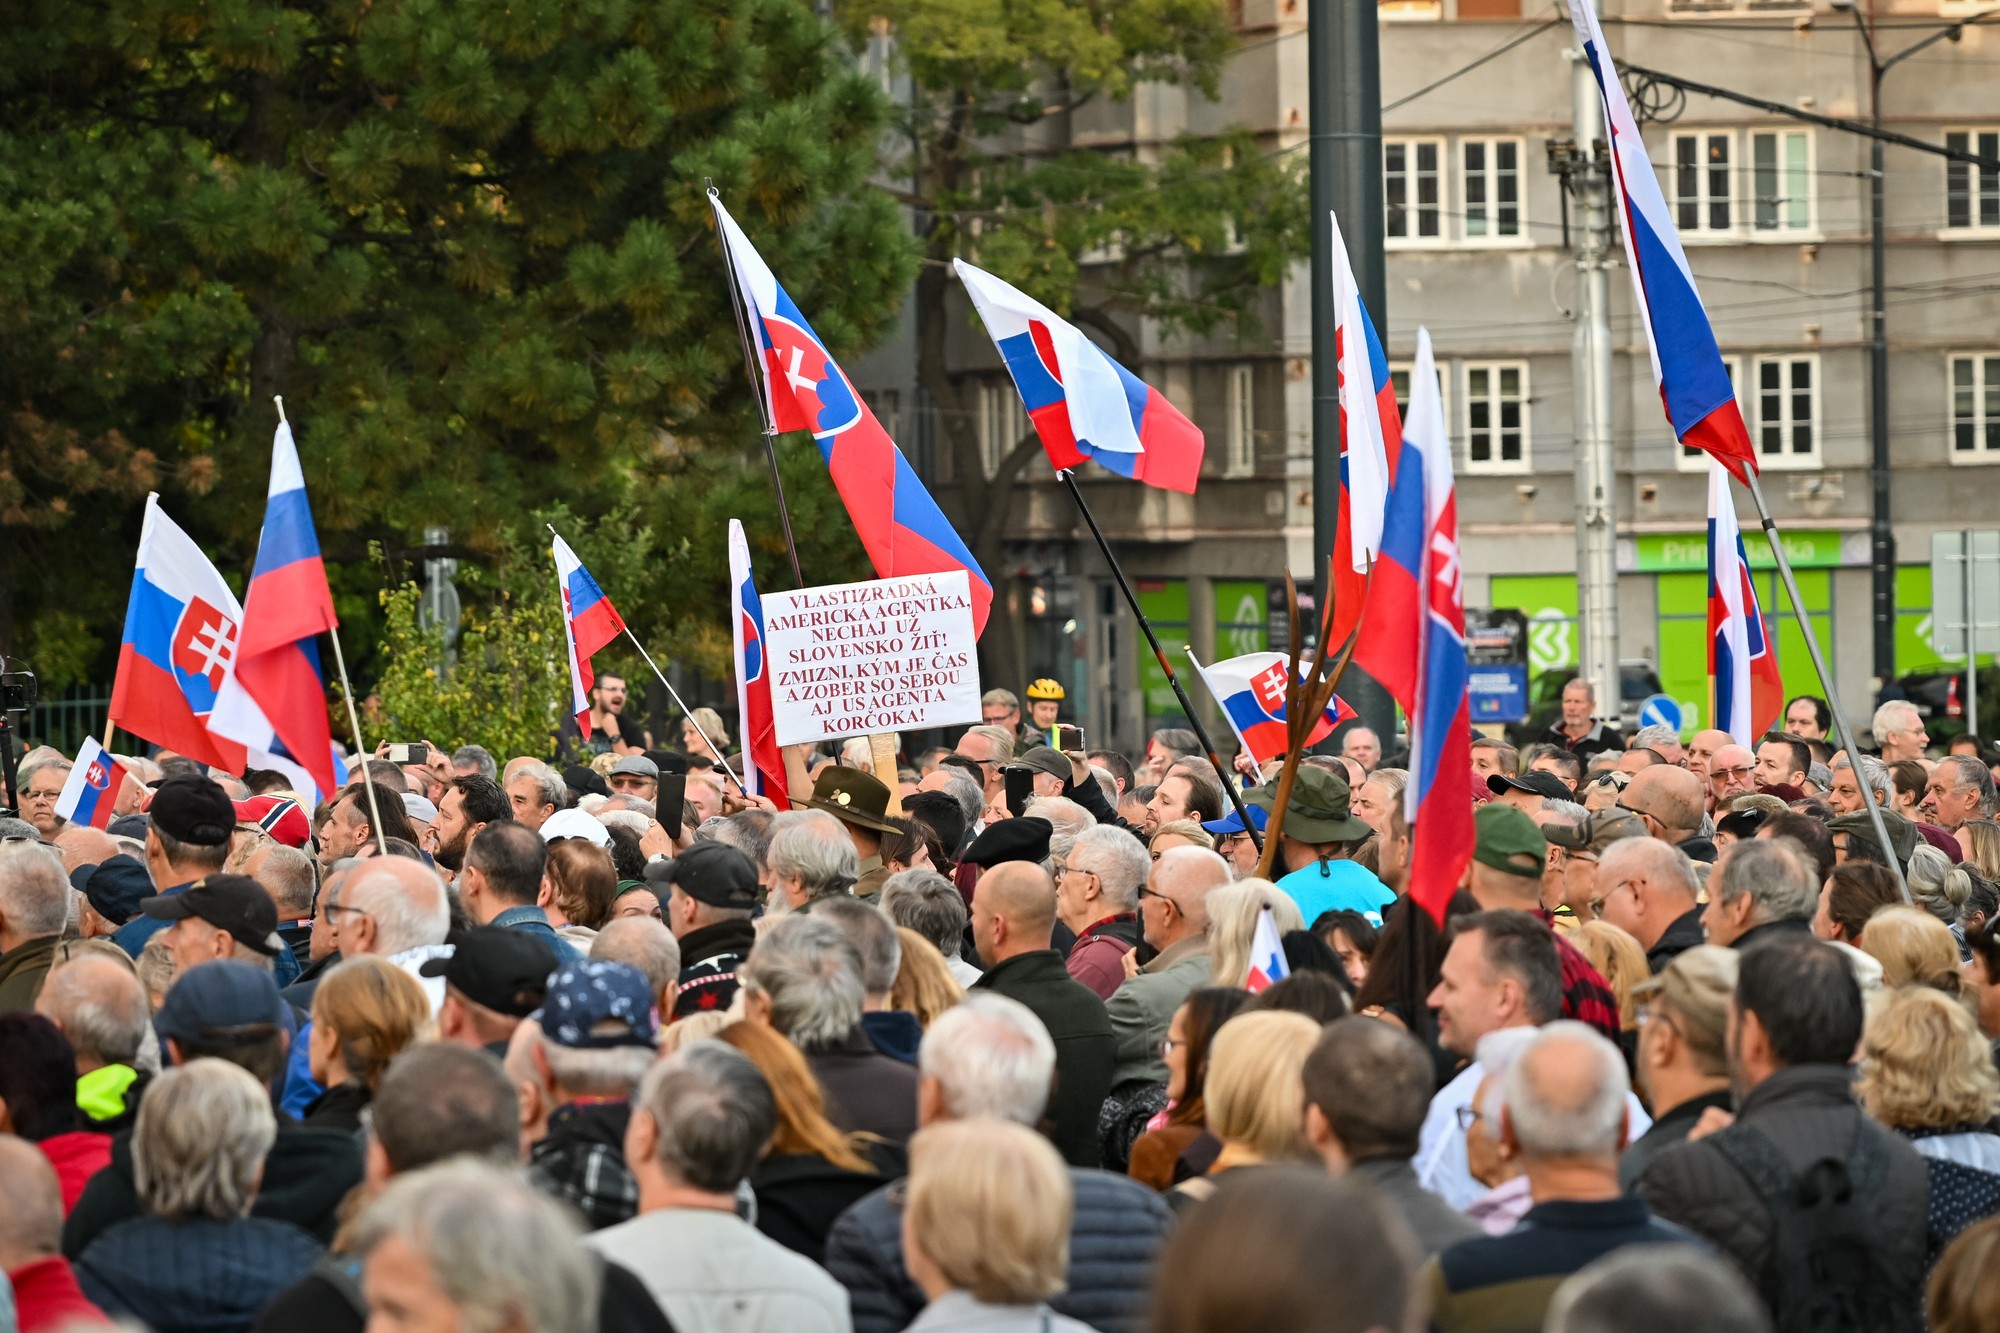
[17, 691]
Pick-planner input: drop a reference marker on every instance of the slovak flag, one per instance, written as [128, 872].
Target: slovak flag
[763, 766]
[1748, 693]
[899, 523]
[1694, 383]
[590, 622]
[1371, 430]
[1267, 955]
[1251, 690]
[91, 791]
[1438, 800]
[181, 628]
[273, 698]
[1083, 403]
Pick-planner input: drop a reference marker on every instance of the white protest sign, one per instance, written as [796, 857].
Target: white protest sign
[885, 655]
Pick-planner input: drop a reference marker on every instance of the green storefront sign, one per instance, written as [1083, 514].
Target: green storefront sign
[1165, 602]
[1687, 552]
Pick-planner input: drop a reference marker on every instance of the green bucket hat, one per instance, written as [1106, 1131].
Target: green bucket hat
[1318, 810]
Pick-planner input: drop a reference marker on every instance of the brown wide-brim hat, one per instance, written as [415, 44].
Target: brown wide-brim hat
[852, 797]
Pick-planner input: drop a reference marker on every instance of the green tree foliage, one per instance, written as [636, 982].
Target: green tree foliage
[1188, 236]
[467, 241]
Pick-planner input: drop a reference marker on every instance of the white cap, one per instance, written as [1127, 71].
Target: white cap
[418, 808]
[576, 824]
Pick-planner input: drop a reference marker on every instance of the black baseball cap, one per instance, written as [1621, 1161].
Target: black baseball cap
[504, 970]
[708, 872]
[115, 887]
[1541, 784]
[235, 903]
[583, 780]
[193, 810]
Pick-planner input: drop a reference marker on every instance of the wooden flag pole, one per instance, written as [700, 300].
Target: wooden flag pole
[1306, 699]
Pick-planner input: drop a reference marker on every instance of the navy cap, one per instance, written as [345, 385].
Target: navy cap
[596, 1005]
[221, 1003]
[114, 887]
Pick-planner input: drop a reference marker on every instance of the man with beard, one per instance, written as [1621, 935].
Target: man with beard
[469, 805]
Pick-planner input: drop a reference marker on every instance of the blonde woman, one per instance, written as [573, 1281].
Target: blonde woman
[1233, 910]
[1979, 839]
[986, 1221]
[1927, 1073]
[1915, 949]
[364, 1014]
[704, 722]
[1178, 833]
[1622, 961]
[1253, 1094]
[924, 985]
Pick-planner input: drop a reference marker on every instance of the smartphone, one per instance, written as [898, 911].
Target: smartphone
[1020, 789]
[415, 752]
[671, 796]
[1065, 738]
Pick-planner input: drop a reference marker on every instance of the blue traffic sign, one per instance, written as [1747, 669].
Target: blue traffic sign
[1661, 711]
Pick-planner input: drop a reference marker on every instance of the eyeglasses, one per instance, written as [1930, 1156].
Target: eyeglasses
[1743, 771]
[1167, 1047]
[1145, 892]
[332, 908]
[1468, 1116]
[34, 795]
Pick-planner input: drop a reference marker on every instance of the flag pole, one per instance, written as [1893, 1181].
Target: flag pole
[757, 393]
[686, 712]
[353, 718]
[1845, 736]
[1226, 775]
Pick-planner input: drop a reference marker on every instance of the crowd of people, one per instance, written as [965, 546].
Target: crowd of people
[988, 1042]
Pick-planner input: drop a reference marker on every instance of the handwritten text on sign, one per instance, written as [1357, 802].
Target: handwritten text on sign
[885, 655]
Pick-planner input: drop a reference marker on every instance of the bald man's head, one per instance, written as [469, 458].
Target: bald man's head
[82, 845]
[31, 1207]
[1671, 797]
[100, 1006]
[1188, 875]
[405, 905]
[1013, 911]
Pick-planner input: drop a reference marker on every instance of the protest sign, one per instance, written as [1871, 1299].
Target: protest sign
[884, 655]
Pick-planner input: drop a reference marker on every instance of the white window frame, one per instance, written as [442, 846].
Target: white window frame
[1688, 459]
[1442, 173]
[1399, 378]
[1796, 217]
[1760, 422]
[1002, 422]
[1497, 466]
[1706, 177]
[1239, 457]
[1785, 228]
[1977, 177]
[1487, 181]
[1986, 385]
[1701, 9]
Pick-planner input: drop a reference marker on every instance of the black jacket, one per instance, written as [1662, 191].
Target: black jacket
[1671, 1128]
[709, 959]
[1115, 1234]
[306, 1175]
[799, 1194]
[300, 993]
[194, 1275]
[1809, 1113]
[339, 1107]
[1676, 939]
[865, 1089]
[1771, 930]
[1698, 848]
[582, 1162]
[894, 1032]
[1086, 1049]
[328, 1300]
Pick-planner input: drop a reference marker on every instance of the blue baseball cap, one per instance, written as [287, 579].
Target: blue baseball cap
[1233, 822]
[595, 1005]
[221, 1003]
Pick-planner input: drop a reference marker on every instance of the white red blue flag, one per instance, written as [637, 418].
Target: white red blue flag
[1267, 955]
[1694, 383]
[1747, 692]
[91, 790]
[590, 623]
[1251, 690]
[273, 697]
[181, 629]
[763, 764]
[900, 525]
[1438, 800]
[1083, 403]
[1370, 430]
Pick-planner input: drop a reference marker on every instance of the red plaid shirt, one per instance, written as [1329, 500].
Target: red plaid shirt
[1587, 997]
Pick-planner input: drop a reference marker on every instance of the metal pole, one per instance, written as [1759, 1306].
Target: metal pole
[1841, 733]
[1881, 534]
[1971, 640]
[360, 750]
[1344, 110]
[1596, 463]
[1223, 774]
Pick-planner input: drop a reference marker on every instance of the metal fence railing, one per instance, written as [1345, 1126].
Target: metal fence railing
[66, 718]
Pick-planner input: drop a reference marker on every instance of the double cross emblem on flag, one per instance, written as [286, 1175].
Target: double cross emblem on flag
[204, 644]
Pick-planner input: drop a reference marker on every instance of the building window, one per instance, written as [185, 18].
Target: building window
[1975, 408]
[1413, 189]
[1781, 180]
[1701, 181]
[1972, 193]
[1496, 416]
[1399, 381]
[1492, 185]
[1787, 400]
[1696, 460]
[1240, 458]
[1002, 422]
